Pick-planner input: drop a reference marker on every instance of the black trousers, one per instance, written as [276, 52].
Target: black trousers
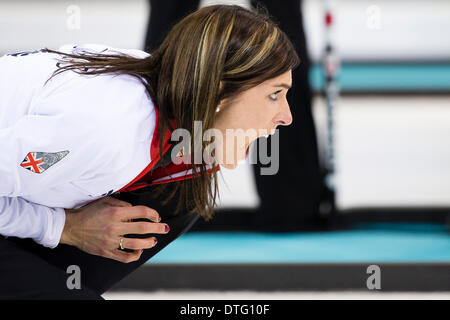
[31, 271]
[289, 200]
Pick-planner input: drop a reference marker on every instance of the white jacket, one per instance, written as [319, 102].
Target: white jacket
[72, 141]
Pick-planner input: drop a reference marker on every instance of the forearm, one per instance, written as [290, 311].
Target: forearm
[24, 219]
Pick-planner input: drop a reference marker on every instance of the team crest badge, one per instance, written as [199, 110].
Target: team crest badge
[38, 162]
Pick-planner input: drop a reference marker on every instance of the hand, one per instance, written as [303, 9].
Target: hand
[98, 227]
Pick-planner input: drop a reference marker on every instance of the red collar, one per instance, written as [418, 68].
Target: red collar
[176, 172]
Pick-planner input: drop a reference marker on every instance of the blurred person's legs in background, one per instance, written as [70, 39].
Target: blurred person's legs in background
[164, 14]
[290, 198]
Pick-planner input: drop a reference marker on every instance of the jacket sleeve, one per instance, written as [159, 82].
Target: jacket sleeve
[23, 219]
[28, 163]
[38, 153]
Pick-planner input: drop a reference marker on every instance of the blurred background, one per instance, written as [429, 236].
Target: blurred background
[392, 156]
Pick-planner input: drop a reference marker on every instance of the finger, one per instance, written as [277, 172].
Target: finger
[137, 212]
[143, 228]
[126, 257]
[116, 202]
[137, 244]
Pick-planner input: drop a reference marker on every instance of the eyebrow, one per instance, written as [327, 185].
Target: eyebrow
[284, 85]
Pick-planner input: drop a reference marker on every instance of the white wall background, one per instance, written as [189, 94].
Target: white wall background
[365, 29]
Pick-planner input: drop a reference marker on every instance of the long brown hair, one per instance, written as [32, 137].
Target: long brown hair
[228, 43]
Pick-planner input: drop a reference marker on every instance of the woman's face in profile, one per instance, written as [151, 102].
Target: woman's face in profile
[254, 113]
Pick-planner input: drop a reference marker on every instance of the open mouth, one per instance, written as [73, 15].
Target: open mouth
[248, 147]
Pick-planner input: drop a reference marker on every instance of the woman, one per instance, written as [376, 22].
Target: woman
[79, 186]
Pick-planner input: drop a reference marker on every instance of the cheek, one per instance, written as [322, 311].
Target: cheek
[241, 117]
[263, 117]
[251, 113]
[259, 113]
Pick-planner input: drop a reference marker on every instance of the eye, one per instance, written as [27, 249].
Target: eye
[273, 96]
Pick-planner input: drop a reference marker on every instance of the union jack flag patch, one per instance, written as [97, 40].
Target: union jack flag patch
[38, 162]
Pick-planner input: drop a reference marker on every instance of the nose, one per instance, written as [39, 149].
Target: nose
[284, 118]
